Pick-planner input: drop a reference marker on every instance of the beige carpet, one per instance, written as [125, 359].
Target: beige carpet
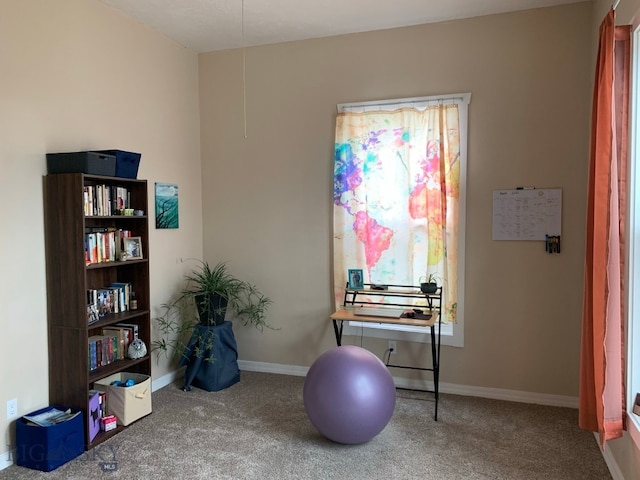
[258, 429]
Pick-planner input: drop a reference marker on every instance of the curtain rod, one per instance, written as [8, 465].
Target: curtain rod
[453, 98]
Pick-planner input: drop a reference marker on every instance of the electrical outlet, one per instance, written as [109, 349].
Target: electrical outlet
[392, 347]
[12, 408]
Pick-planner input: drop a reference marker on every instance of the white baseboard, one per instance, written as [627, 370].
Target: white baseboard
[466, 390]
[167, 379]
[294, 370]
[612, 465]
[6, 460]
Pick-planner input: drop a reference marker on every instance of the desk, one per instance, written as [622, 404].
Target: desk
[433, 302]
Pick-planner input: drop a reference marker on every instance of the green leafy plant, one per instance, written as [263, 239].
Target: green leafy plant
[243, 298]
[175, 325]
[209, 292]
[430, 278]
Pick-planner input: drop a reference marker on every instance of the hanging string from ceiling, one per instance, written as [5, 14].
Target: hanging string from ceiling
[244, 77]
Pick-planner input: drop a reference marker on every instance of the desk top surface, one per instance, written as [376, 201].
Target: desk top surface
[349, 315]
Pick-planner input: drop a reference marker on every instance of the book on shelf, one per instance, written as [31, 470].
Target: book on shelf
[122, 337]
[105, 302]
[133, 327]
[102, 350]
[124, 295]
[128, 338]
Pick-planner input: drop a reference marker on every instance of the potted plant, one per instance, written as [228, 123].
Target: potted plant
[429, 284]
[209, 293]
[215, 289]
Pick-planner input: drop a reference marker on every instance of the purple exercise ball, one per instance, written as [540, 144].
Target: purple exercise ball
[349, 395]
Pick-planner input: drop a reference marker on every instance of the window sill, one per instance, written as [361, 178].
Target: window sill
[633, 426]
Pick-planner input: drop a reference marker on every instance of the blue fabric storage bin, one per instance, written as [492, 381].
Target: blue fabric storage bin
[127, 163]
[46, 448]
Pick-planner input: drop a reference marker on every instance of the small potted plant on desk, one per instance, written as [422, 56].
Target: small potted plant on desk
[429, 284]
[210, 293]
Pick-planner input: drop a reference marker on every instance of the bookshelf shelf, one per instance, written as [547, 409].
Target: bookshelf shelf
[69, 278]
[114, 318]
[115, 367]
[92, 266]
[104, 436]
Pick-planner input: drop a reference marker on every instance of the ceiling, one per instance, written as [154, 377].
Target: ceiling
[209, 25]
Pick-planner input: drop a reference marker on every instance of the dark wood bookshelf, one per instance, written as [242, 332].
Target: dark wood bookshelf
[69, 277]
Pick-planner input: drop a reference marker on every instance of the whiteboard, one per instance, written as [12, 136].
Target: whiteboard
[527, 214]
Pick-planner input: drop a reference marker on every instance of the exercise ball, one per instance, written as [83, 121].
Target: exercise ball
[349, 395]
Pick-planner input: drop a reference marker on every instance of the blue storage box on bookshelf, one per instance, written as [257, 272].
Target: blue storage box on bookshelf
[127, 163]
[93, 163]
[46, 448]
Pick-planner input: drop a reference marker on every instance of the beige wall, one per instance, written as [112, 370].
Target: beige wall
[77, 75]
[267, 198]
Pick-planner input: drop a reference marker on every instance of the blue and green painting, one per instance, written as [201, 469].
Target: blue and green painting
[166, 205]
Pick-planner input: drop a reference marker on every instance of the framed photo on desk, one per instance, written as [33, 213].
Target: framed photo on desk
[356, 280]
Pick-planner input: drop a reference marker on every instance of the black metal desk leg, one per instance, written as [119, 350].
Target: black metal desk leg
[338, 331]
[436, 368]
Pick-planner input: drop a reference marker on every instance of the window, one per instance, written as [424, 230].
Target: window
[399, 200]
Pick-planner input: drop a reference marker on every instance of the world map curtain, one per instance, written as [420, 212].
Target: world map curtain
[396, 198]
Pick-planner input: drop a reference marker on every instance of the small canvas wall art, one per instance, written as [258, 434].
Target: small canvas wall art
[166, 205]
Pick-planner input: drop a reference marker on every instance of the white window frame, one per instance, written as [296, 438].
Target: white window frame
[452, 334]
[633, 239]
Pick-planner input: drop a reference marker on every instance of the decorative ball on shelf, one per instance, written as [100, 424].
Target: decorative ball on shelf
[137, 349]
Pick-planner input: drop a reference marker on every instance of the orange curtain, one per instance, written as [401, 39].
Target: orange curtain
[602, 368]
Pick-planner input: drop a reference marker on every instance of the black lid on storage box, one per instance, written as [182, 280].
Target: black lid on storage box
[94, 163]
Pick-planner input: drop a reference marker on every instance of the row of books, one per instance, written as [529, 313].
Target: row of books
[105, 200]
[103, 350]
[104, 244]
[111, 345]
[115, 298]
